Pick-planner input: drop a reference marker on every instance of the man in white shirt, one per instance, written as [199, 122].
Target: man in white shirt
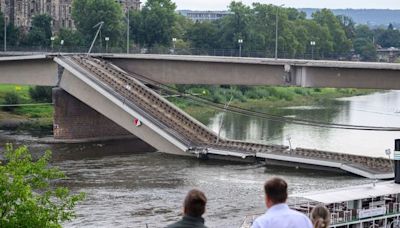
[279, 215]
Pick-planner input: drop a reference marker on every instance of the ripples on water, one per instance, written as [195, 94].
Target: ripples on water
[132, 189]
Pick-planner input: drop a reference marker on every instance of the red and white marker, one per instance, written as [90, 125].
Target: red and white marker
[137, 122]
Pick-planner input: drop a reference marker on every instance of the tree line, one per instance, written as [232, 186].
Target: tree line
[324, 35]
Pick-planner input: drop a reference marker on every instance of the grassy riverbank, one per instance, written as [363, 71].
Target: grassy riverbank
[32, 115]
[262, 97]
[39, 118]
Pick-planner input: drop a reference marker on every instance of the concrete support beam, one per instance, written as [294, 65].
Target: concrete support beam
[101, 101]
[346, 78]
[210, 70]
[206, 73]
[74, 120]
[32, 70]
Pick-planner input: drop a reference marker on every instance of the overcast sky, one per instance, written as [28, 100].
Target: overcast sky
[332, 4]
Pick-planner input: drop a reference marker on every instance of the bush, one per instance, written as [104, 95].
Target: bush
[11, 98]
[41, 94]
[26, 197]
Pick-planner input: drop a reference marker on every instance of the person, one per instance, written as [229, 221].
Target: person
[320, 217]
[194, 207]
[278, 214]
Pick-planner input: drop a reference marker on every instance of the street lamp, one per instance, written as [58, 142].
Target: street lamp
[174, 45]
[52, 43]
[5, 31]
[276, 30]
[312, 43]
[61, 45]
[240, 41]
[127, 32]
[107, 39]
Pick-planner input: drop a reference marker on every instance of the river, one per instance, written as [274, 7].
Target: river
[127, 187]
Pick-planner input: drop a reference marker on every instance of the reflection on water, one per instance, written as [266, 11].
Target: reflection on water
[380, 109]
[129, 188]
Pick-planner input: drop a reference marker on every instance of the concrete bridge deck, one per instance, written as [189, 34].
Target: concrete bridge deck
[122, 98]
[170, 69]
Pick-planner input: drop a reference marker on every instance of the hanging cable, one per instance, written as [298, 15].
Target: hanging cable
[258, 114]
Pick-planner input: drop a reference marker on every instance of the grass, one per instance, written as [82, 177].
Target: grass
[263, 96]
[30, 118]
[22, 91]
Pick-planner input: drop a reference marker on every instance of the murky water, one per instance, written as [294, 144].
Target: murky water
[127, 187]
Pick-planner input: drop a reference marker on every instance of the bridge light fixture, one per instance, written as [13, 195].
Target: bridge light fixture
[312, 43]
[174, 44]
[240, 41]
[107, 39]
[52, 42]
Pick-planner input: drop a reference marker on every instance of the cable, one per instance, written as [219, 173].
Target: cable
[251, 113]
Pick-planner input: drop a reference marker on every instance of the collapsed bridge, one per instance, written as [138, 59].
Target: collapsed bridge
[135, 107]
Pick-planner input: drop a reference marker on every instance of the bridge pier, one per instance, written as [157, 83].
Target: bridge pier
[76, 121]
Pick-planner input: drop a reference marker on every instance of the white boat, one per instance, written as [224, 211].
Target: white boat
[366, 206]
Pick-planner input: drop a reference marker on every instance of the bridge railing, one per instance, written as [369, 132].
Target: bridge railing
[270, 53]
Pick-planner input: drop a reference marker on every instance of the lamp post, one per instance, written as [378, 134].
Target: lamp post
[127, 32]
[174, 45]
[276, 30]
[240, 41]
[61, 45]
[5, 31]
[52, 43]
[107, 39]
[312, 43]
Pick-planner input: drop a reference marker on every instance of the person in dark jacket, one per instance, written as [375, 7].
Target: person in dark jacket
[194, 207]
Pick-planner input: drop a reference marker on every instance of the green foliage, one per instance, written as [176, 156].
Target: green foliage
[11, 98]
[88, 13]
[40, 33]
[41, 93]
[158, 18]
[71, 38]
[26, 196]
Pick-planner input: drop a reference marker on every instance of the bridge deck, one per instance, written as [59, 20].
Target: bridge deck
[203, 142]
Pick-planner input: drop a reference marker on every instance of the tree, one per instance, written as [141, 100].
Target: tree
[40, 33]
[366, 49]
[203, 35]
[158, 20]
[26, 196]
[88, 13]
[341, 44]
[71, 38]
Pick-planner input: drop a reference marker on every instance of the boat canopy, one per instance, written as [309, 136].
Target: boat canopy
[351, 193]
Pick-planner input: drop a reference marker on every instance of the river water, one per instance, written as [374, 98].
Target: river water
[128, 187]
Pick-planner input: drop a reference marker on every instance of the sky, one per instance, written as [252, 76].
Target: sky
[332, 4]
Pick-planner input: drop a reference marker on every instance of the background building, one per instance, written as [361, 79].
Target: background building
[203, 15]
[20, 12]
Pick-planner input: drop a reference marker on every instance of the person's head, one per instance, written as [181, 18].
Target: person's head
[320, 217]
[195, 203]
[275, 191]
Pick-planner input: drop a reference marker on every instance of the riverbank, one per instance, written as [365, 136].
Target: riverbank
[37, 119]
[284, 97]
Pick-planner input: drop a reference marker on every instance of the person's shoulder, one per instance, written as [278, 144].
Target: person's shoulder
[260, 221]
[301, 217]
[174, 225]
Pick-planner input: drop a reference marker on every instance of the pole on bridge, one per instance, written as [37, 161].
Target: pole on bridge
[397, 161]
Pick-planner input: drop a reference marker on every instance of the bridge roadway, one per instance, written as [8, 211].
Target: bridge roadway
[122, 98]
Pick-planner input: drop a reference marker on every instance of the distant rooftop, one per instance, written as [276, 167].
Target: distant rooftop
[203, 15]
